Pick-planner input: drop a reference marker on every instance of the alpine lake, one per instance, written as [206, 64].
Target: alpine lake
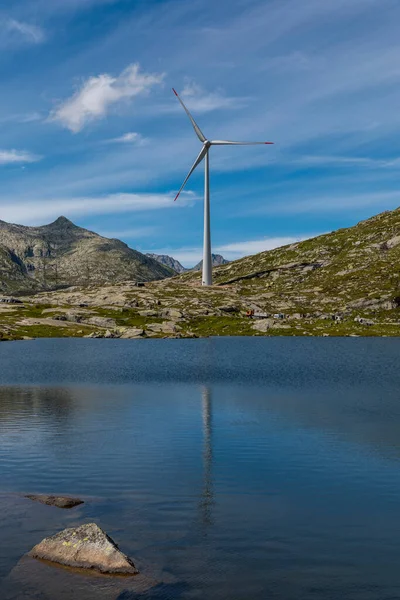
[227, 468]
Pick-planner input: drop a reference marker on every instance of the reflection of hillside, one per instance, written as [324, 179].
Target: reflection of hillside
[359, 415]
[34, 404]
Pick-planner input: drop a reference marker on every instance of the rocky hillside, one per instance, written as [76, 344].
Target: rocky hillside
[63, 254]
[217, 260]
[340, 284]
[174, 264]
[357, 267]
[168, 261]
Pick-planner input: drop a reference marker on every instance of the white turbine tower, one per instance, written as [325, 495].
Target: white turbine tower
[207, 258]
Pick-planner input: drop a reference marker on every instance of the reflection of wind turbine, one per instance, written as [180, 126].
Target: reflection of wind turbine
[207, 494]
[207, 259]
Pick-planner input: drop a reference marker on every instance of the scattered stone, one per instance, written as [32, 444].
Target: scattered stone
[131, 333]
[263, 325]
[172, 313]
[364, 321]
[85, 547]
[394, 241]
[10, 300]
[59, 501]
[148, 313]
[229, 309]
[100, 322]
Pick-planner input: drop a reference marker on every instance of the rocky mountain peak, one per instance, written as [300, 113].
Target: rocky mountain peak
[62, 254]
[61, 222]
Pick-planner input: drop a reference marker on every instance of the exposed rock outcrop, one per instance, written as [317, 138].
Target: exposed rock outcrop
[62, 254]
[217, 260]
[168, 261]
[85, 547]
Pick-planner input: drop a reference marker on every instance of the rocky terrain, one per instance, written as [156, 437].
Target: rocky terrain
[217, 260]
[343, 283]
[168, 261]
[62, 254]
[174, 264]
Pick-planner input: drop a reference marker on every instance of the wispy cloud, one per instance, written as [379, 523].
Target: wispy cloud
[351, 161]
[202, 101]
[190, 256]
[36, 212]
[331, 203]
[295, 60]
[28, 117]
[128, 234]
[8, 157]
[239, 249]
[31, 33]
[98, 94]
[129, 138]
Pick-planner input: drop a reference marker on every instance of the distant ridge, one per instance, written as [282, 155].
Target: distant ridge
[217, 260]
[168, 261]
[62, 254]
[174, 264]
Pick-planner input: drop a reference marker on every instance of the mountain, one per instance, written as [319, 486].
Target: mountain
[343, 283]
[217, 260]
[62, 254]
[357, 268]
[168, 261]
[174, 264]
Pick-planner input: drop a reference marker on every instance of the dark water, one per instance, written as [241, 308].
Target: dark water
[240, 469]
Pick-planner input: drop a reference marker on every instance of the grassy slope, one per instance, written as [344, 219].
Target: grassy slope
[351, 272]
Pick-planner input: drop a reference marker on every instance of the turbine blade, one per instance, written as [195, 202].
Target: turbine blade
[228, 143]
[198, 160]
[197, 129]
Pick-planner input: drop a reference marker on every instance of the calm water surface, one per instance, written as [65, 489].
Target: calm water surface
[232, 468]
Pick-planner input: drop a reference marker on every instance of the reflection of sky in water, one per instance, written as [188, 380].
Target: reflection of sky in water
[239, 483]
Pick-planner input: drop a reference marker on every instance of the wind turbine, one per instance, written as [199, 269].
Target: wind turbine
[204, 154]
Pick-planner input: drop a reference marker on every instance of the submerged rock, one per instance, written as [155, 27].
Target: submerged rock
[59, 501]
[85, 547]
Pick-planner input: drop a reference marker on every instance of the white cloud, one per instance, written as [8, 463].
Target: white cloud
[129, 138]
[28, 117]
[295, 60]
[201, 101]
[189, 257]
[134, 233]
[30, 32]
[8, 157]
[37, 212]
[316, 160]
[97, 94]
[239, 249]
[341, 202]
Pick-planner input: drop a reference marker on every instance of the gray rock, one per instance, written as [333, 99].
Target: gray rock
[172, 313]
[10, 300]
[100, 322]
[85, 547]
[263, 325]
[131, 333]
[229, 309]
[148, 313]
[165, 327]
[59, 501]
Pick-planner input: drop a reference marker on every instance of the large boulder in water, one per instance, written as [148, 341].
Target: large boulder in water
[59, 501]
[85, 547]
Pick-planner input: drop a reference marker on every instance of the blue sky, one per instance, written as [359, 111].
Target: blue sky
[91, 129]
